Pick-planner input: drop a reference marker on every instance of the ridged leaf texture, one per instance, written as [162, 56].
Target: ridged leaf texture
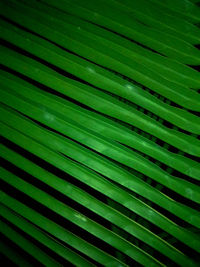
[100, 132]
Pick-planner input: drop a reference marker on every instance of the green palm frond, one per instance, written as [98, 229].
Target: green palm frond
[100, 133]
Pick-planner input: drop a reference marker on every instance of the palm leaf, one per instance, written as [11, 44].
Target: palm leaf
[99, 124]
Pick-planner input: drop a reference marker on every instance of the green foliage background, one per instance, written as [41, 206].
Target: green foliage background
[100, 133]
